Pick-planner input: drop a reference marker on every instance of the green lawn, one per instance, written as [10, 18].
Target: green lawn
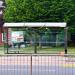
[71, 50]
[1, 50]
[39, 50]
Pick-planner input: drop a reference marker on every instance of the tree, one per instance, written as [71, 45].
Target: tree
[39, 11]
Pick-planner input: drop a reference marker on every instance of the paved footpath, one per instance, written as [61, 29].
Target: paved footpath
[37, 70]
[45, 65]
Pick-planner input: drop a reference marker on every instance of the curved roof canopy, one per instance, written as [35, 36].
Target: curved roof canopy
[36, 24]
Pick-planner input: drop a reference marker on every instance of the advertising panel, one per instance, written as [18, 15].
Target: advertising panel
[17, 36]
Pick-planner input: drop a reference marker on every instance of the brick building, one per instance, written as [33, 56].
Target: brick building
[2, 30]
[1, 42]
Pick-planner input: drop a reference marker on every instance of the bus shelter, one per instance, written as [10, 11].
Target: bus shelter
[35, 37]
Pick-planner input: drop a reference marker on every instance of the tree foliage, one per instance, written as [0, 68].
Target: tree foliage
[40, 11]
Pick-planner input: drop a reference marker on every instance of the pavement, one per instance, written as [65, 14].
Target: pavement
[36, 70]
[41, 65]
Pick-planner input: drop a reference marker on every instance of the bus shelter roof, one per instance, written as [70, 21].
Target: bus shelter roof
[36, 24]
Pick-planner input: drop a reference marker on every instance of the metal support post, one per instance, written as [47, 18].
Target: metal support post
[65, 45]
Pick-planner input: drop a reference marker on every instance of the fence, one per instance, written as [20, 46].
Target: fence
[37, 64]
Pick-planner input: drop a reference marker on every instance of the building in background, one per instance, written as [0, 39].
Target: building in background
[1, 37]
[2, 30]
[2, 6]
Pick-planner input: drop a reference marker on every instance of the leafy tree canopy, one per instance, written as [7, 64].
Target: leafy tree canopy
[40, 11]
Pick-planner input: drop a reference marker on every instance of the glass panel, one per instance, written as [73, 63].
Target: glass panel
[35, 40]
[19, 41]
[51, 41]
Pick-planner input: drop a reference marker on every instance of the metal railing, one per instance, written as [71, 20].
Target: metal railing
[37, 64]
